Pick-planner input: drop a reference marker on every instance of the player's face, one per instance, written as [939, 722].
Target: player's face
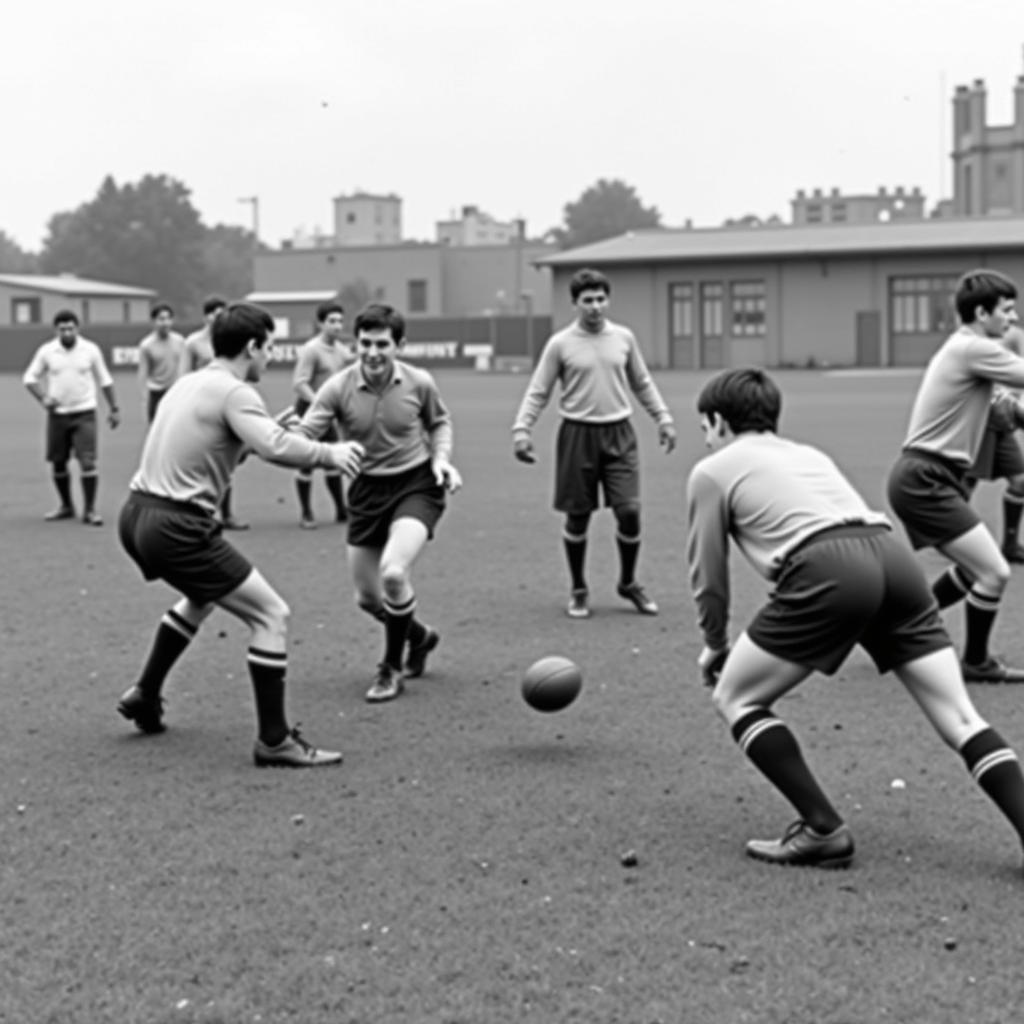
[377, 352]
[210, 317]
[67, 332]
[592, 308]
[713, 430]
[333, 327]
[1001, 319]
[260, 356]
[163, 322]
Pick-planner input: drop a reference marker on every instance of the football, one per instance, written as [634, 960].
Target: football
[552, 683]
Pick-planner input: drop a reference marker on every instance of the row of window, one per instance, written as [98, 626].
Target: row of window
[28, 311]
[918, 305]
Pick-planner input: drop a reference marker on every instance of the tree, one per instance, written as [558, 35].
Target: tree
[147, 234]
[752, 220]
[14, 259]
[227, 260]
[606, 209]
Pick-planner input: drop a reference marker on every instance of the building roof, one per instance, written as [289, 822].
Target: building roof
[321, 296]
[662, 245]
[69, 284]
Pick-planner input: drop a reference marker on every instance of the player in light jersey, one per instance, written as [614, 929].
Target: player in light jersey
[64, 377]
[198, 352]
[596, 363]
[318, 359]
[1000, 456]
[928, 487]
[168, 526]
[396, 413]
[841, 578]
[160, 354]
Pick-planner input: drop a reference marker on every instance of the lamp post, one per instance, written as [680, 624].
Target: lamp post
[527, 297]
[254, 202]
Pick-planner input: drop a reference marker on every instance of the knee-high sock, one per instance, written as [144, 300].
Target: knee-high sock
[333, 481]
[1013, 506]
[995, 768]
[267, 670]
[773, 749]
[90, 481]
[304, 488]
[627, 539]
[397, 618]
[950, 587]
[62, 481]
[417, 631]
[173, 635]
[576, 557]
[981, 615]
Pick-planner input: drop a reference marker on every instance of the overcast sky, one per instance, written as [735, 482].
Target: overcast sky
[710, 110]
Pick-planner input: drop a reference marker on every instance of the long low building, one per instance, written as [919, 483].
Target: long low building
[832, 295]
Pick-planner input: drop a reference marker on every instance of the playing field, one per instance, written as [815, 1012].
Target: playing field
[465, 864]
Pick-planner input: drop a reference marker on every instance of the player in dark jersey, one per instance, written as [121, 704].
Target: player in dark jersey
[841, 578]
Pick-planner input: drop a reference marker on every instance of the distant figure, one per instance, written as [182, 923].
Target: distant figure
[840, 578]
[160, 354]
[197, 353]
[319, 359]
[64, 376]
[928, 487]
[595, 362]
[167, 527]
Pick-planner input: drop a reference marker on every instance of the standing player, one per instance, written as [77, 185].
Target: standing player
[160, 354]
[168, 527]
[594, 361]
[395, 412]
[63, 377]
[320, 358]
[841, 578]
[1000, 457]
[198, 352]
[928, 488]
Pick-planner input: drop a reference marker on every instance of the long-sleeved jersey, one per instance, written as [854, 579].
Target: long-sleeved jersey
[317, 360]
[200, 431]
[400, 427]
[595, 371]
[953, 399]
[769, 494]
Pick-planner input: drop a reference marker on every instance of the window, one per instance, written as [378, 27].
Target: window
[748, 308]
[126, 312]
[712, 296]
[839, 211]
[25, 311]
[813, 213]
[922, 305]
[417, 297]
[681, 311]
[350, 218]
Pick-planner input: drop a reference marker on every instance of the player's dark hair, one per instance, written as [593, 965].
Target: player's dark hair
[240, 323]
[161, 307]
[325, 309]
[588, 281]
[65, 316]
[378, 316]
[212, 304]
[747, 399]
[981, 288]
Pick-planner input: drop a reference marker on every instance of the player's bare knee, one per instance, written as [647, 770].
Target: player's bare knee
[995, 578]
[394, 580]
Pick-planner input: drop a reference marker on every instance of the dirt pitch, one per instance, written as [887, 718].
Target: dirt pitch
[465, 864]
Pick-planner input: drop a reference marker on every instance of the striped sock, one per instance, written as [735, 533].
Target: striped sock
[950, 587]
[981, 614]
[173, 635]
[267, 670]
[397, 618]
[995, 768]
[774, 751]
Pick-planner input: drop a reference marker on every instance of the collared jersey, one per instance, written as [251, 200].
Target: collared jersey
[952, 403]
[400, 427]
[70, 375]
[594, 371]
[199, 433]
[769, 494]
[160, 359]
[319, 359]
[198, 351]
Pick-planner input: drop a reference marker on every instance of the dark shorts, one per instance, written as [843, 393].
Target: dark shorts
[931, 496]
[846, 586]
[181, 545]
[375, 502]
[594, 458]
[68, 432]
[153, 399]
[999, 457]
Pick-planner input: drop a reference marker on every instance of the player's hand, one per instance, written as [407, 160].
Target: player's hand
[114, 419]
[49, 403]
[711, 664]
[348, 456]
[667, 436]
[522, 449]
[446, 475]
